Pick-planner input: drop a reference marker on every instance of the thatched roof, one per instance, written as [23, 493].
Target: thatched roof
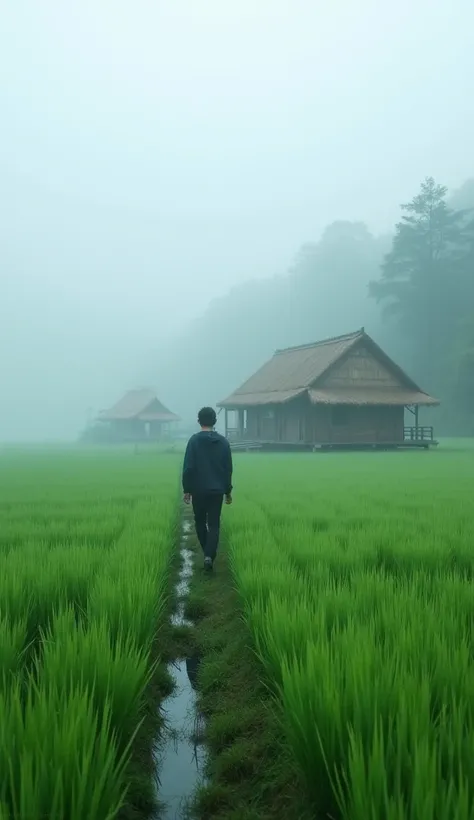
[139, 404]
[297, 370]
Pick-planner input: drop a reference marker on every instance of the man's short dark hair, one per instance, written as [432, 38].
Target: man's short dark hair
[207, 417]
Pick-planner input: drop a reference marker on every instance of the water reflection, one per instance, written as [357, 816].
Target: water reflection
[192, 666]
[180, 756]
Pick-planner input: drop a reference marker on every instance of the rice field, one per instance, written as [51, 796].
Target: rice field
[85, 548]
[355, 572]
[356, 576]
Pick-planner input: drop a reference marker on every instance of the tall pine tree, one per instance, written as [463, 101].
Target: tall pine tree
[423, 277]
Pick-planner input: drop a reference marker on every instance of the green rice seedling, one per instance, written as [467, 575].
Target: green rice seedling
[400, 775]
[13, 643]
[132, 585]
[35, 586]
[35, 582]
[16, 598]
[124, 601]
[75, 568]
[75, 656]
[365, 678]
[253, 583]
[282, 626]
[48, 595]
[57, 758]
[132, 590]
[51, 532]
[358, 699]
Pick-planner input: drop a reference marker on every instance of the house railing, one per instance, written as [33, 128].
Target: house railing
[418, 434]
[415, 434]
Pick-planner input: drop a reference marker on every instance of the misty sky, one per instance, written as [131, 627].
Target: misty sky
[156, 153]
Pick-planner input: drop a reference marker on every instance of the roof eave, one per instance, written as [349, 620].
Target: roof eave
[231, 404]
[372, 401]
[429, 402]
[239, 401]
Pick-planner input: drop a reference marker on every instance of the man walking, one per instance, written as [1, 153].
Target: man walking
[207, 480]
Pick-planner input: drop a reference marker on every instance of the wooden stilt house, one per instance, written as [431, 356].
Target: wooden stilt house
[138, 416]
[343, 392]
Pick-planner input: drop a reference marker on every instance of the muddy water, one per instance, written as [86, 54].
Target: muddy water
[180, 756]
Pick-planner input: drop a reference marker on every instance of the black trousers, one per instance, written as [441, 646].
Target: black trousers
[207, 510]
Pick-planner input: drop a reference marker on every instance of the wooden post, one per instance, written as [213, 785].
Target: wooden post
[416, 422]
[226, 422]
[241, 424]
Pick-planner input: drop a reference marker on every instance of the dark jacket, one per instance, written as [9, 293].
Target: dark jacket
[207, 466]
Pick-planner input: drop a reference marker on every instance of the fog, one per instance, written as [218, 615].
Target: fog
[157, 155]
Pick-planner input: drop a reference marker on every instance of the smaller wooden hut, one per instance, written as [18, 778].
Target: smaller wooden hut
[138, 416]
[343, 392]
